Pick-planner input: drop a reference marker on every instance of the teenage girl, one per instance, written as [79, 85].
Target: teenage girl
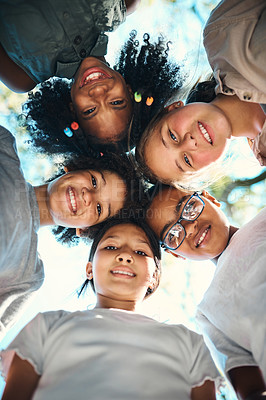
[88, 193]
[111, 352]
[188, 138]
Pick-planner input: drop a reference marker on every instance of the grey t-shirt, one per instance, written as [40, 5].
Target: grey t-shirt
[52, 37]
[21, 270]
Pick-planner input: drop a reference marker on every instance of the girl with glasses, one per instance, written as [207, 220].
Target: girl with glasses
[232, 312]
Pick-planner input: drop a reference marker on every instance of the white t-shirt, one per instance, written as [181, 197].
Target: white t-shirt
[232, 313]
[234, 38]
[21, 270]
[111, 354]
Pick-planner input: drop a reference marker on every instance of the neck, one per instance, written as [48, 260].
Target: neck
[246, 118]
[42, 197]
[232, 231]
[107, 302]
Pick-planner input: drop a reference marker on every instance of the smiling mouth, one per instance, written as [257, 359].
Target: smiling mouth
[202, 237]
[122, 272]
[204, 133]
[92, 75]
[72, 198]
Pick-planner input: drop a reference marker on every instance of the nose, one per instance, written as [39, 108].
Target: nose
[190, 141]
[124, 258]
[98, 90]
[190, 227]
[87, 196]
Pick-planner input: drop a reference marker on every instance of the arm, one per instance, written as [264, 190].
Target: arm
[204, 392]
[132, 5]
[248, 383]
[14, 77]
[21, 380]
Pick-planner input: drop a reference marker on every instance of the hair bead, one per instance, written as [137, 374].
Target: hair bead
[68, 132]
[137, 97]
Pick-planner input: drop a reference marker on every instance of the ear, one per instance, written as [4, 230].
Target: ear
[66, 170]
[154, 280]
[80, 232]
[211, 198]
[89, 270]
[174, 105]
[72, 110]
[130, 91]
[174, 254]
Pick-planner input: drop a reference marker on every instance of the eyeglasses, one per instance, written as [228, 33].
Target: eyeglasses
[177, 233]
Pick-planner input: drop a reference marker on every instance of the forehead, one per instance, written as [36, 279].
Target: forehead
[163, 208]
[125, 232]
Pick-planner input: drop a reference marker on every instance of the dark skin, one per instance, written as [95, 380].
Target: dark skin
[248, 383]
[16, 79]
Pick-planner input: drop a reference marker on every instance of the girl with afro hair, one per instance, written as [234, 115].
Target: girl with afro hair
[53, 116]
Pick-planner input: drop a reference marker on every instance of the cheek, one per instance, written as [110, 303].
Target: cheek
[204, 158]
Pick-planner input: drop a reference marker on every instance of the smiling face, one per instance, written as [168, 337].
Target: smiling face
[123, 266]
[186, 139]
[101, 100]
[206, 237]
[80, 199]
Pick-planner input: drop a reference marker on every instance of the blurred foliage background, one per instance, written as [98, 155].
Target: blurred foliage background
[242, 191]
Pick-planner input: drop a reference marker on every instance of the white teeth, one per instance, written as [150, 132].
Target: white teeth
[93, 76]
[72, 200]
[205, 133]
[202, 237]
[122, 272]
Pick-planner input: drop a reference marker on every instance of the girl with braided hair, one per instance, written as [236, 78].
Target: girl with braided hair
[150, 79]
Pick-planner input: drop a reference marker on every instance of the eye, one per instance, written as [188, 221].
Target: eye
[110, 247]
[172, 136]
[171, 238]
[140, 253]
[117, 102]
[187, 160]
[94, 182]
[99, 209]
[89, 111]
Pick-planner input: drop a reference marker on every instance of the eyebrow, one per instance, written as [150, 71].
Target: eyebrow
[167, 147]
[109, 210]
[177, 210]
[162, 139]
[103, 178]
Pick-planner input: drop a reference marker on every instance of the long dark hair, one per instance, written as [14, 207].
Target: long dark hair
[97, 234]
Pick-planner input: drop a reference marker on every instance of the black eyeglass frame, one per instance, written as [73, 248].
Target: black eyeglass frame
[163, 245]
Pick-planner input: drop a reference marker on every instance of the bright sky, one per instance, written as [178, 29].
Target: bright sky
[183, 282]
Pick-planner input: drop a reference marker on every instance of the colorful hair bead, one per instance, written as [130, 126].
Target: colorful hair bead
[149, 101]
[137, 97]
[68, 132]
[74, 125]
